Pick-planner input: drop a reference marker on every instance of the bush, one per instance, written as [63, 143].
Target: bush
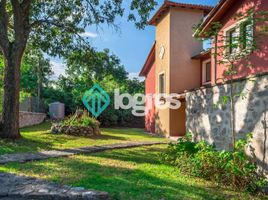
[228, 168]
[82, 119]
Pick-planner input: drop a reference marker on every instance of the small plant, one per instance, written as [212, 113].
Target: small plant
[228, 168]
[80, 124]
[80, 119]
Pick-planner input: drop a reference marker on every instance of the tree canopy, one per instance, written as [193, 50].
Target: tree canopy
[55, 27]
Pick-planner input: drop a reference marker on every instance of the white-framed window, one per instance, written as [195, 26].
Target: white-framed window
[206, 72]
[239, 37]
[161, 83]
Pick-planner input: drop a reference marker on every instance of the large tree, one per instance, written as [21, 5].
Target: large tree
[55, 27]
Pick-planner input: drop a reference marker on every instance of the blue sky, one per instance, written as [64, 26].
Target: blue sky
[129, 44]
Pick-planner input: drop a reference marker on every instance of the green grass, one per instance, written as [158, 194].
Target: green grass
[39, 138]
[126, 174]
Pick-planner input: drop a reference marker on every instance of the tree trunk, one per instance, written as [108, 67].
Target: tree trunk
[11, 94]
[232, 118]
[13, 51]
[39, 75]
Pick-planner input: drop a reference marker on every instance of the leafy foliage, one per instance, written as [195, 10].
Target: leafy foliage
[229, 168]
[35, 71]
[84, 69]
[82, 120]
[56, 28]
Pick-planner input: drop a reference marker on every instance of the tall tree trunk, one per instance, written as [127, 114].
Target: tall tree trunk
[39, 75]
[232, 104]
[13, 51]
[11, 94]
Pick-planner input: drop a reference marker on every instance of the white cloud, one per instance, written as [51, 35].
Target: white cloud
[58, 68]
[133, 75]
[89, 34]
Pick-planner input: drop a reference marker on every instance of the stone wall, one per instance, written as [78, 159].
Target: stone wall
[83, 131]
[211, 123]
[30, 118]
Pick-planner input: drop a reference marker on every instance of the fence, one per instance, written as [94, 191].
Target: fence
[33, 104]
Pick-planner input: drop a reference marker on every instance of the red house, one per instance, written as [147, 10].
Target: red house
[177, 62]
[238, 18]
[148, 71]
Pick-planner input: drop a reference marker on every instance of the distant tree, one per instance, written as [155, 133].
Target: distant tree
[35, 72]
[93, 66]
[55, 27]
[135, 86]
[84, 68]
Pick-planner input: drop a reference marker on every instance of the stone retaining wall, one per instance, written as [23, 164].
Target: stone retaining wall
[30, 118]
[83, 131]
[205, 121]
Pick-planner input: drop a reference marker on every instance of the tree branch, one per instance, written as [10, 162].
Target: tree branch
[48, 22]
[26, 4]
[21, 23]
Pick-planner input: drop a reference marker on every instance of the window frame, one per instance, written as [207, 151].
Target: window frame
[243, 33]
[232, 40]
[204, 71]
[239, 31]
[164, 82]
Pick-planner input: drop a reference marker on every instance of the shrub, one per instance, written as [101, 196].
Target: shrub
[80, 120]
[228, 168]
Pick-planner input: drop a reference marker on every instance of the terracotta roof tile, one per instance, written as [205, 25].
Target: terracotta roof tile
[169, 4]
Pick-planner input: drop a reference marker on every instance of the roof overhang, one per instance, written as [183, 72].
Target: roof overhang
[149, 62]
[202, 55]
[168, 4]
[214, 16]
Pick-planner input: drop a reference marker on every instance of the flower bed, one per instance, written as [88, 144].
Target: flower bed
[75, 130]
[78, 125]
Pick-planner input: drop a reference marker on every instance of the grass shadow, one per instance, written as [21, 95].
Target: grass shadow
[129, 177]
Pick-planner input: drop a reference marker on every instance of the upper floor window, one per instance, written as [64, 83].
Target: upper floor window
[239, 37]
[233, 41]
[247, 34]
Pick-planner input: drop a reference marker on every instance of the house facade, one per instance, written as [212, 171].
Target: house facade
[238, 18]
[165, 68]
[178, 64]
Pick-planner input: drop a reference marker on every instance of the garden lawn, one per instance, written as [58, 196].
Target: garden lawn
[39, 138]
[129, 174]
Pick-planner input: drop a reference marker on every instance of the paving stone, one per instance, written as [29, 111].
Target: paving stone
[27, 157]
[14, 187]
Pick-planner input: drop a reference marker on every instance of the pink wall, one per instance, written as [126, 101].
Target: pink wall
[259, 59]
[150, 89]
